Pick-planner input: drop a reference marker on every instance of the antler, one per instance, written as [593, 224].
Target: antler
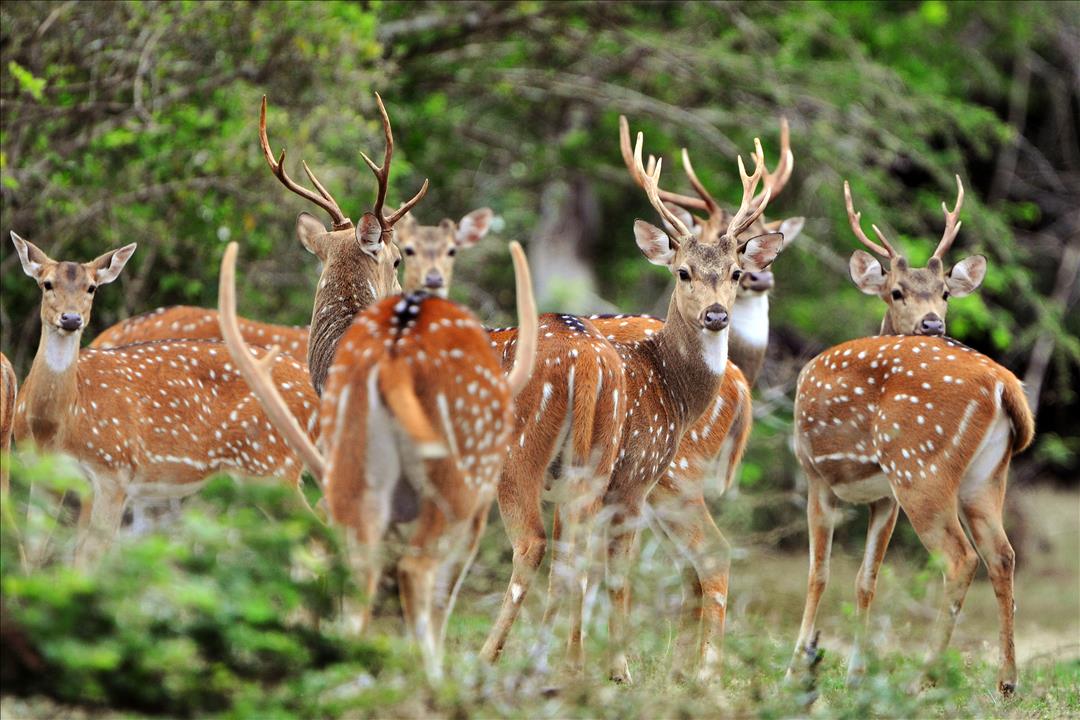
[778, 178]
[952, 222]
[650, 181]
[382, 174]
[628, 158]
[323, 199]
[257, 371]
[710, 204]
[856, 226]
[749, 211]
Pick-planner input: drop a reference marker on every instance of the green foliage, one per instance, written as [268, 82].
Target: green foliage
[215, 617]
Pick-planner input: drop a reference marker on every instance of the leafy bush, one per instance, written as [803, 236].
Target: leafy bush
[216, 615]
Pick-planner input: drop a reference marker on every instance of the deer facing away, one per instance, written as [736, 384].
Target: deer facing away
[918, 422]
[415, 398]
[190, 414]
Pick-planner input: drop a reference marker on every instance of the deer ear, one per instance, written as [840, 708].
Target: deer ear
[866, 273]
[759, 252]
[107, 267]
[654, 243]
[473, 227]
[33, 259]
[369, 234]
[310, 231]
[966, 275]
[790, 229]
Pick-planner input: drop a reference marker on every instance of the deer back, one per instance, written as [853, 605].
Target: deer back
[916, 407]
[184, 322]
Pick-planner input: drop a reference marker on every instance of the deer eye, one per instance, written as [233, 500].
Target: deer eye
[451, 252]
[397, 262]
[684, 274]
[897, 295]
[91, 289]
[47, 285]
[736, 275]
[945, 296]
[409, 251]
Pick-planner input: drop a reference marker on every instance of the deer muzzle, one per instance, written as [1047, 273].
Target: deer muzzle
[931, 325]
[715, 318]
[70, 321]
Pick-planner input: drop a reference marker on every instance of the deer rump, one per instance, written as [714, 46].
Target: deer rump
[416, 404]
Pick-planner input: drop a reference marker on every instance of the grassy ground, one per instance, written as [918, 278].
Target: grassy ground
[765, 605]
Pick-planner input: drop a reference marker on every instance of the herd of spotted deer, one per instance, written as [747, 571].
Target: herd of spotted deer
[408, 412]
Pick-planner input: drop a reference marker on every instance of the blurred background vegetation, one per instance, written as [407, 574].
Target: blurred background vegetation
[138, 122]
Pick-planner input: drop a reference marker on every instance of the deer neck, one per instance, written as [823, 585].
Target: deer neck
[347, 286]
[50, 391]
[887, 327]
[749, 333]
[691, 361]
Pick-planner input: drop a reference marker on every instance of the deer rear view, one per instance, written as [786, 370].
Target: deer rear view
[416, 416]
[914, 421]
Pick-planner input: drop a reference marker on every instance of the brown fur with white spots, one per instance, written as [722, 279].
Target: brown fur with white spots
[430, 251]
[416, 406]
[749, 335]
[919, 423]
[184, 322]
[147, 422]
[9, 386]
[359, 263]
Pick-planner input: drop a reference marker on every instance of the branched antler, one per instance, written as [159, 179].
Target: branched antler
[778, 178]
[749, 211]
[382, 175]
[952, 221]
[323, 199]
[856, 226]
[650, 181]
[628, 158]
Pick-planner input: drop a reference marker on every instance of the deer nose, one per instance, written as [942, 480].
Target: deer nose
[71, 321]
[759, 281]
[932, 325]
[433, 280]
[715, 318]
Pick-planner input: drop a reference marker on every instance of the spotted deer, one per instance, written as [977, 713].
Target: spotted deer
[671, 377]
[911, 419]
[415, 397]
[429, 251]
[749, 336]
[9, 386]
[146, 422]
[185, 322]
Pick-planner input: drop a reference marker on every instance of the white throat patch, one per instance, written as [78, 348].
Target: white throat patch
[750, 319]
[61, 349]
[715, 349]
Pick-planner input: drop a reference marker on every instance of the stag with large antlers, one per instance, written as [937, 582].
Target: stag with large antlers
[416, 415]
[920, 423]
[147, 422]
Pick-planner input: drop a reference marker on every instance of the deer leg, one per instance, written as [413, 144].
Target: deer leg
[519, 505]
[444, 609]
[883, 515]
[820, 522]
[621, 535]
[107, 512]
[983, 514]
[940, 531]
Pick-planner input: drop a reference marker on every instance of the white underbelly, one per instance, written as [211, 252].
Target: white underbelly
[864, 491]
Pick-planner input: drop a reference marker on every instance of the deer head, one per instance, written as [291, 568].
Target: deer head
[707, 272]
[430, 251]
[67, 288]
[918, 298]
[359, 262]
[716, 219]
